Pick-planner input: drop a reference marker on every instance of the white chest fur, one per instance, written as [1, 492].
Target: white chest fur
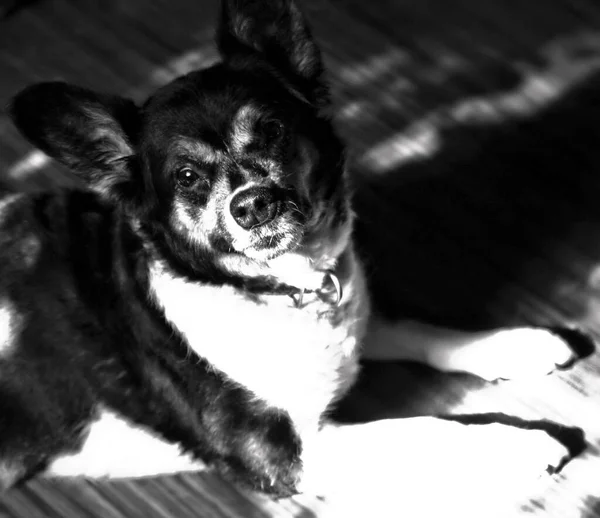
[295, 359]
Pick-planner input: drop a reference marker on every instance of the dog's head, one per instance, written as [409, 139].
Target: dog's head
[233, 162]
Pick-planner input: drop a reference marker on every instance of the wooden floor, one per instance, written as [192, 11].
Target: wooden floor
[475, 135]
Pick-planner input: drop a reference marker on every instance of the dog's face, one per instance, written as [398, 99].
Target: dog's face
[233, 162]
[237, 161]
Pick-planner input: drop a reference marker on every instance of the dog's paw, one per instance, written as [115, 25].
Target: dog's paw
[512, 448]
[526, 352]
[581, 344]
[528, 454]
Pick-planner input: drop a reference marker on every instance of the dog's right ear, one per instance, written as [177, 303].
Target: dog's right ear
[276, 31]
[92, 134]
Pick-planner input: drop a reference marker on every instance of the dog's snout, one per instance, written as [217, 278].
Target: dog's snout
[254, 207]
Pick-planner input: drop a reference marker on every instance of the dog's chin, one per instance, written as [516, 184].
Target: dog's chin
[268, 241]
[269, 247]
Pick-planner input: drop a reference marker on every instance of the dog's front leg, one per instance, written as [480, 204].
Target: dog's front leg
[509, 353]
[427, 466]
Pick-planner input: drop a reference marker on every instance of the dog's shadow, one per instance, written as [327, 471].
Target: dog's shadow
[501, 226]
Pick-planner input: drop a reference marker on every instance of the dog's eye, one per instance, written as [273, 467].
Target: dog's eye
[272, 130]
[186, 177]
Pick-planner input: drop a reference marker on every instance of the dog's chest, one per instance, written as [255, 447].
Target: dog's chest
[296, 359]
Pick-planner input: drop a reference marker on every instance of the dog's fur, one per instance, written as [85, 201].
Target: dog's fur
[188, 299]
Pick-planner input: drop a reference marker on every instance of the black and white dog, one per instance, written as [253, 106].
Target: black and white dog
[202, 303]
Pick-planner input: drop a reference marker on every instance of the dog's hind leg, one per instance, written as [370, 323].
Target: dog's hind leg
[508, 353]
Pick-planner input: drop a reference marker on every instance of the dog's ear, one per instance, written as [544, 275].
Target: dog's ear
[92, 134]
[277, 31]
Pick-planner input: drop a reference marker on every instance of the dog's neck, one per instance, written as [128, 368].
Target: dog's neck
[305, 269]
[294, 270]
[306, 273]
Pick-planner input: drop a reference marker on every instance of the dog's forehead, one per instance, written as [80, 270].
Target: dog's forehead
[181, 146]
[187, 111]
[215, 92]
[237, 129]
[197, 140]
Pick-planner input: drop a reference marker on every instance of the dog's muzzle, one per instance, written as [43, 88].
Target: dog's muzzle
[254, 207]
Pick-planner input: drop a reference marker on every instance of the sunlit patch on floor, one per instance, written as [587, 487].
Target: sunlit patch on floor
[7, 326]
[420, 141]
[566, 63]
[396, 74]
[195, 59]
[29, 164]
[374, 67]
[114, 447]
[532, 399]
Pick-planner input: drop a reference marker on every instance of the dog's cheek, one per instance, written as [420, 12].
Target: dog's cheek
[193, 223]
[220, 242]
[184, 221]
[299, 177]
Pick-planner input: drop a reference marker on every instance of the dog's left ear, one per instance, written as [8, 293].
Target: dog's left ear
[277, 31]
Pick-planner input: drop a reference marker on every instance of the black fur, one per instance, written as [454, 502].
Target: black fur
[89, 337]
[74, 267]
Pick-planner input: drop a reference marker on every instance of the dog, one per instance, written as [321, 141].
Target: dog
[201, 302]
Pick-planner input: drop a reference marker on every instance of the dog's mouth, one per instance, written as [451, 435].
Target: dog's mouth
[264, 223]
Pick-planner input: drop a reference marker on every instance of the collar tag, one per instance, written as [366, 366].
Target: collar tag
[332, 292]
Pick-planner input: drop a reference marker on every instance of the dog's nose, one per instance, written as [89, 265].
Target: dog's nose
[253, 207]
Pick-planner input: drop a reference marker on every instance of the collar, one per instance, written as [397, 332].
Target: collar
[331, 291]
